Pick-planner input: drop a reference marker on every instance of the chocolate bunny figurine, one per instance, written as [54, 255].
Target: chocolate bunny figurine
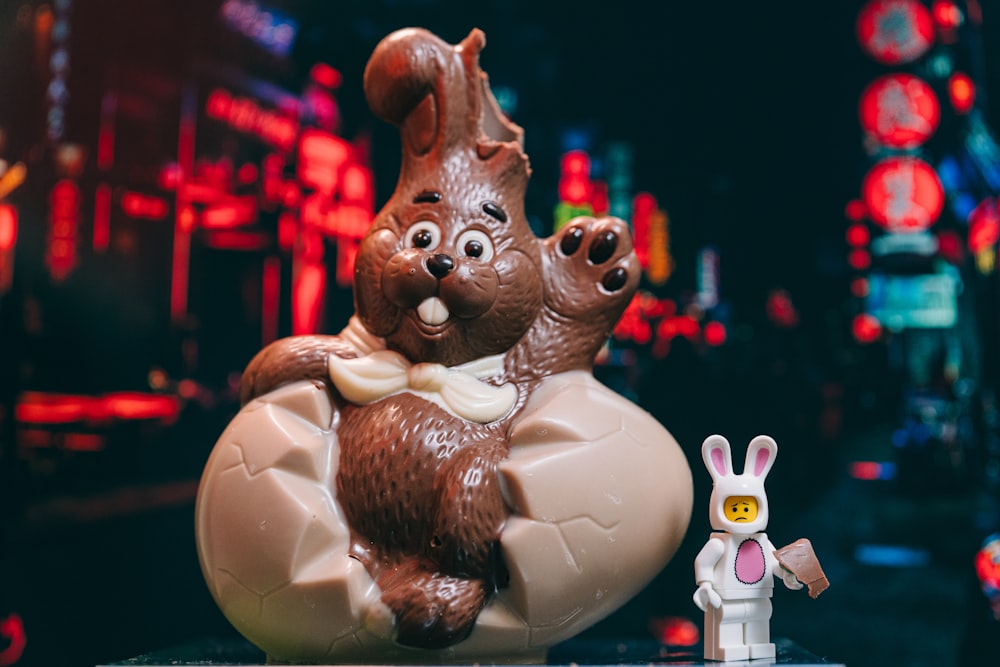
[445, 474]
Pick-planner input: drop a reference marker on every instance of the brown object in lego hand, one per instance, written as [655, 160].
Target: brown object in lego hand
[800, 559]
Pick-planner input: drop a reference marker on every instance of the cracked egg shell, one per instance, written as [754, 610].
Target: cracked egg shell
[586, 472]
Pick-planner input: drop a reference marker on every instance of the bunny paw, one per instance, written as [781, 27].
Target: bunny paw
[590, 274]
[591, 268]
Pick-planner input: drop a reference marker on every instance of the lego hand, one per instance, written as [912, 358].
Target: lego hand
[789, 579]
[706, 595]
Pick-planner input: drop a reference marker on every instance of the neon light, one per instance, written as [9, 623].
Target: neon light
[859, 259]
[984, 226]
[855, 210]
[321, 157]
[48, 408]
[347, 254]
[102, 217]
[180, 263]
[307, 292]
[574, 190]
[106, 133]
[12, 628]
[357, 184]
[780, 309]
[903, 194]
[899, 111]
[660, 263]
[288, 230]
[961, 92]
[325, 76]
[988, 565]
[8, 227]
[675, 631]
[599, 199]
[870, 471]
[946, 14]
[8, 239]
[245, 115]
[950, 246]
[247, 173]
[148, 207]
[12, 178]
[859, 287]
[270, 29]
[231, 212]
[574, 183]
[352, 221]
[865, 328]
[170, 176]
[714, 333]
[858, 235]
[180, 266]
[575, 163]
[84, 442]
[886, 555]
[894, 32]
[643, 205]
[64, 217]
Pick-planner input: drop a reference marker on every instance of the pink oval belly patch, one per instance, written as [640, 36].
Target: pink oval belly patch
[750, 562]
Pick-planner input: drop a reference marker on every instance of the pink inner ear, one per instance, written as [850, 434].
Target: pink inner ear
[719, 461]
[762, 456]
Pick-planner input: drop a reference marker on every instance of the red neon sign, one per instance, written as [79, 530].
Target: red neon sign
[8, 227]
[8, 238]
[64, 218]
[148, 207]
[894, 32]
[45, 408]
[321, 159]
[247, 116]
[230, 212]
[961, 92]
[574, 183]
[12, 629]
[903, 194]
[899, 111]
[865, 328]
[984, 225]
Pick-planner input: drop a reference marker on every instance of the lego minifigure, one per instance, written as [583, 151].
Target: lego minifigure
[734, 569]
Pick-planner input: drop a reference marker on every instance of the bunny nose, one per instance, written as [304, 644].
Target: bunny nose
[439, 265]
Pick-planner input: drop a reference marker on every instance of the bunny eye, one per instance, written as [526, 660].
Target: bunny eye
[476, 244]
[425, 235]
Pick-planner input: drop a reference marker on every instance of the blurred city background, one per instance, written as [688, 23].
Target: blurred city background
[812, 188]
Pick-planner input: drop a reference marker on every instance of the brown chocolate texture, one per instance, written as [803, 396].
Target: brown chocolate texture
[419, 486]
[800, 559]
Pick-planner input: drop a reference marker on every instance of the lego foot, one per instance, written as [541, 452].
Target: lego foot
[761, 651]
[727, 653]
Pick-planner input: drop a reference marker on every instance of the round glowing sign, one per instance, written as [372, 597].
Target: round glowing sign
[899, 111]
[903, 194]
[895, 31]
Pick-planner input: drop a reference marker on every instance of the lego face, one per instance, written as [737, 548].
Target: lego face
[741, 509]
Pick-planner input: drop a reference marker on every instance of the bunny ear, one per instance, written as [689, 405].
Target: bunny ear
[718, 457]
[760, 456]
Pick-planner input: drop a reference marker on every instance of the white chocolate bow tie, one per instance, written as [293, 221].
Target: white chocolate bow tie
[458, 389]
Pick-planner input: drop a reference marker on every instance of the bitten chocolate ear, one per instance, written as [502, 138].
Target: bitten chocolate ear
[417, 81]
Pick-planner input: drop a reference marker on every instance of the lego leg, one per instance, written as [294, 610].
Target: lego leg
[724, 632]
[758, 628]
